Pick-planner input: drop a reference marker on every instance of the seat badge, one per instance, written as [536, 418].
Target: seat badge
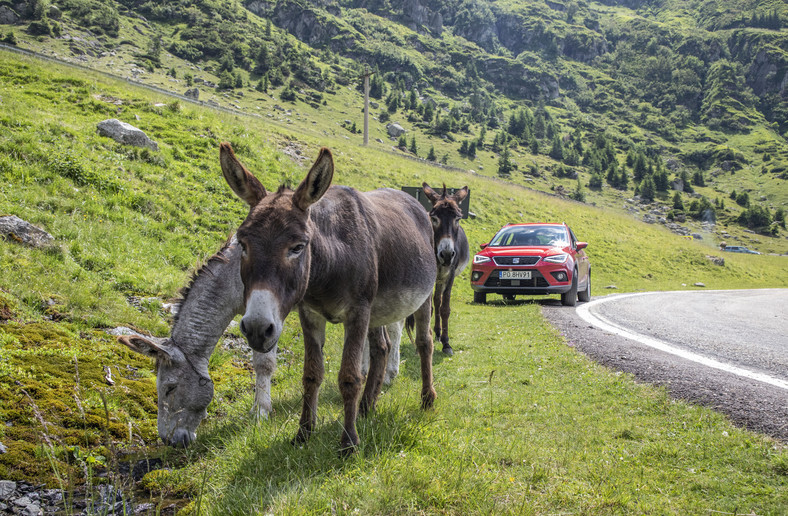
[515, 260]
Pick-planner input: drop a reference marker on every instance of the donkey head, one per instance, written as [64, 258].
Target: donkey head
[275, 241]
[184, 387]
[445, 216]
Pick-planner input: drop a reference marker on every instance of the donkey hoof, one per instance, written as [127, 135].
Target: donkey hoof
[447, 350]
[347, 450]
[300, 438]
[428, 398]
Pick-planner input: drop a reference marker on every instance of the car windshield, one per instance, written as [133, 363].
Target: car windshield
[523, 236]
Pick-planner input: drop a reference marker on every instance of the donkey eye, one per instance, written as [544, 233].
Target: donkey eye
[297, 250]
[435, 221]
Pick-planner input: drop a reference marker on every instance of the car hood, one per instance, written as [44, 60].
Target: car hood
[540, 251]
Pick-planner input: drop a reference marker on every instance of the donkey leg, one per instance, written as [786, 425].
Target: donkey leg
[378, 352]
[350, 378]
[444, 316]
[264, 366]
[314, 327]
[394, 331]
[425, 349]
[436, 301]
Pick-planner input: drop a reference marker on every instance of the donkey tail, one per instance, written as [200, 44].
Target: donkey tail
[410, 324]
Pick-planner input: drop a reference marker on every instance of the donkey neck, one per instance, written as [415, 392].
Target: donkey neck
[214, 297]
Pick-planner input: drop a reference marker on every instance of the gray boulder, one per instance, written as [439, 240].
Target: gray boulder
[7, 488]
[14, 228]
[125, 133]
[395, 130]
[7, 15]
[192, 93]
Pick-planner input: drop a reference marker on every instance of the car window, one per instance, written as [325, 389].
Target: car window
[530, 236]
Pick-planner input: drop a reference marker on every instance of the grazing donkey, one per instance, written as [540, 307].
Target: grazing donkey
[208, 304]
[361, 259]
[451, 251]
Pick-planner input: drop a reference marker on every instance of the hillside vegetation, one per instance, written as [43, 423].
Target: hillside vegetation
[523, 423]
[620, 104]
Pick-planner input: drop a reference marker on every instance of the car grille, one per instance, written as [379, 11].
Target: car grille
[520, 260]
[536, 281]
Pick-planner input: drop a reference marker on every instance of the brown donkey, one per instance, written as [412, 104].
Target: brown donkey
[451, 251]
[338, 255]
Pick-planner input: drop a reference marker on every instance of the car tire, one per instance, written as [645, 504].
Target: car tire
[479, 297]
[570, 298]
[585, 294]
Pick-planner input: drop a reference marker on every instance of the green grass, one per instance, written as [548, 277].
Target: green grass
[523, 423]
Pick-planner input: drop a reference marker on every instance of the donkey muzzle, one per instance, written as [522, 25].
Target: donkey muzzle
[261, 324]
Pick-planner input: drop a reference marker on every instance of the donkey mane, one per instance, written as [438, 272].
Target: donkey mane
[183, 293]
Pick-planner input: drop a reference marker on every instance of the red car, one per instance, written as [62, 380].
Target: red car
[528, 259]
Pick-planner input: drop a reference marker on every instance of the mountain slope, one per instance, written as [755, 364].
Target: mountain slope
[527, 90]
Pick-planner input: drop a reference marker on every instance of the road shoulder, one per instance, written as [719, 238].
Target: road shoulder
[748, 403]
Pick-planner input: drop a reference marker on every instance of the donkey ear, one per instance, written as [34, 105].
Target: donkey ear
[431, 194]
[460, 194]
[145, 346]
[316, 182]
[243, 183]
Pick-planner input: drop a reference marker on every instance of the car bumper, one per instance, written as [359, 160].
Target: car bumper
[542, 282]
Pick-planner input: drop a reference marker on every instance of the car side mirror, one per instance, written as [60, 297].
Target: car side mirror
[483, 245]
[581, 245]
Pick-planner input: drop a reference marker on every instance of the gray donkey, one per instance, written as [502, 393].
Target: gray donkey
[212, 299]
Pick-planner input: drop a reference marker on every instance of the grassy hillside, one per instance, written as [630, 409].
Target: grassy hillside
[561, 96]
[522, 423]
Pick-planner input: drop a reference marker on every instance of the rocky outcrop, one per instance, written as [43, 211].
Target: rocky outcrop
[125, 133]
[13, 228]
[192, 93]
[519, 34]
[517, 80]
[7, 15]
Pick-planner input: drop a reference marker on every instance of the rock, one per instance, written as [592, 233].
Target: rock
[395, 130]
[716, 260]
[699, 284]
[612, 287]
[7, 15]
[126, 134]
[14, 228]
[7, 488]
[192, 93]
[3, 448]
[54, 12]
[123, 330]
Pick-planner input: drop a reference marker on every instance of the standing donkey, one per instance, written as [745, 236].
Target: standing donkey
[208, 304]
[451, 251]
[341, 256]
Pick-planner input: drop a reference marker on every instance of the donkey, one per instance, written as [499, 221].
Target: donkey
[451, 251]
[208, 304]
[340, 256]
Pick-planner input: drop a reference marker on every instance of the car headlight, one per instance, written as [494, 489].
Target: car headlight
[557, 258]
[480, 259]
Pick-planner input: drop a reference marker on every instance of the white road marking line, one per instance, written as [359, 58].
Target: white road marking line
[584, 311]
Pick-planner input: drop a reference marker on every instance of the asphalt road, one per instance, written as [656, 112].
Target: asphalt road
[724, 349]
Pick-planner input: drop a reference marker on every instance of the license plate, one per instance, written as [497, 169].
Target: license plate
[515, 275]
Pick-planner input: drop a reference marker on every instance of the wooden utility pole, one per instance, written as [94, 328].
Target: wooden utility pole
[366, 76]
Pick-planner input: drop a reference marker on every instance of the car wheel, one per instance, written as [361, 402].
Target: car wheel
[570, 298]
[479, 297]
[585, 294]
